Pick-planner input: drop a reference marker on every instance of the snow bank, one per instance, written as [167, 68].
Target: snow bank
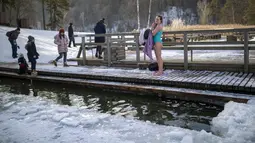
[236, 121]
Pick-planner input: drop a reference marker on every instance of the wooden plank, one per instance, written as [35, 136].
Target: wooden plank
[189, 76]
[108, 51]
[207, 77]
[249, 84]
[83, 51]
[231, 83]
[172, 75]
[245, 81]
[241, 87]
[215, 78]
[79, 52]
[201, 76]
[253, 87]
[179, 76]
[137, 49]
[239, 81]
[225, 79]
[197, 74]
[246, 52]
[229, 79]
[213, 75]
[219, 81]
[204, 77]
[185, 52]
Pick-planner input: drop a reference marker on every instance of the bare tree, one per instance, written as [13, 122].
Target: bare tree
[149, 14]
[203, 11]
[138, 13]
[43, 12]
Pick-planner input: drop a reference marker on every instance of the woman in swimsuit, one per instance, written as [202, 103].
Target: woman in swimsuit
[157, 30]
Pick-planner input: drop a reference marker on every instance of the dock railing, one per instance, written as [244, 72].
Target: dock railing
[188, 41]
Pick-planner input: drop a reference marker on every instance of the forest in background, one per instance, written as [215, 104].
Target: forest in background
[122, 15]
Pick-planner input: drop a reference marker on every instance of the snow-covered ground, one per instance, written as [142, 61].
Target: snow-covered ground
[44, 41]
[48, 50]
[35, 119]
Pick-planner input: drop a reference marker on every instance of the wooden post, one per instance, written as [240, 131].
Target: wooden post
[185, 51]
[123, 43]
[84, 51]
[137, 49]
[108, 50]
[246, 52]
[191, 55]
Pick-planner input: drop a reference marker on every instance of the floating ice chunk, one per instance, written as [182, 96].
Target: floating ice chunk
[8, 105]
[59, 116]
[28, 111]
[178, 135]
[70, 122]
[187, 139]
[89, 122]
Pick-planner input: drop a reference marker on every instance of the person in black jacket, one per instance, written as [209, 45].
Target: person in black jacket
[71, 35]
[99, 29]
[32, 53]
[12, 37]
[23, 66]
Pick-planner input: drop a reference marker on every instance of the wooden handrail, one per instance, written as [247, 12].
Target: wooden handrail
[186, 41]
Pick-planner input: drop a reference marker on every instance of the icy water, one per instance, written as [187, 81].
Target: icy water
[195, 116]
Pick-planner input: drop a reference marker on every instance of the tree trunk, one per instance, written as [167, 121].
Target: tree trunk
[54, 22]
[149, 15]
[138, 14]
[10, 16]
[233, 13]
[43, 12]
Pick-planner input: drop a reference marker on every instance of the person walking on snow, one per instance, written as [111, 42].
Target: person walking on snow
[71, 35]
[32, 54]
[12, 37]
[62, 41]
[99, 29]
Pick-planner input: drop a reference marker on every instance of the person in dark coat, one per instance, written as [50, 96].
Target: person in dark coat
[12, 37]
[71, 35]
[23, 66]
[99, 29]
[32, 54]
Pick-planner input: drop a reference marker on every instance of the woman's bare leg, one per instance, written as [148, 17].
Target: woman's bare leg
[158, 48]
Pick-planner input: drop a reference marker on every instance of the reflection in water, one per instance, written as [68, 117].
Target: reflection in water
[147, 108]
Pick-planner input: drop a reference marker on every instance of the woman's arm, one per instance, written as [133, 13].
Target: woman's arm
[153, 25]
[156, 30]
[56, 41]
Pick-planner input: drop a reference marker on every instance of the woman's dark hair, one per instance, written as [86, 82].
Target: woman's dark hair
[161, 18]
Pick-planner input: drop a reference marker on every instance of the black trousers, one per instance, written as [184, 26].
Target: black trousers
[71, 39]
[99, 51]
[14, 48]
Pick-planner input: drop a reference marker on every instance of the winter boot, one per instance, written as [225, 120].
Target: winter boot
[55, 63]
[66, 65]
[34, 73]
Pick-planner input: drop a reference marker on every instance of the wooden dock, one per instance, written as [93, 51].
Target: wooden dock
[238, 82]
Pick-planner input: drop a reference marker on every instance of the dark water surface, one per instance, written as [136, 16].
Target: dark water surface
[196, 116]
